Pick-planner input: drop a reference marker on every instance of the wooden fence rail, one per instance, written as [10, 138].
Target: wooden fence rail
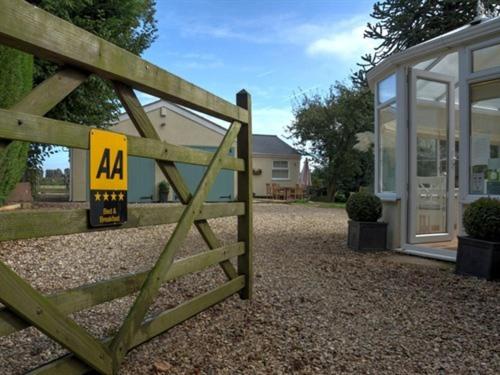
[81, 54]
[30, 128]
[32, 30]
[16, 225]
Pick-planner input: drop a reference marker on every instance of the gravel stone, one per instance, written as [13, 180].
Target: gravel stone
[318, 308]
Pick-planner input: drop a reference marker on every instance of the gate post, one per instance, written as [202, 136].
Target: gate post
[245, 195]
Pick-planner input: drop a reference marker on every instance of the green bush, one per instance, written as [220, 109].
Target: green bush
[364, 206]
[16, 76]
[482, 219]
[340, 197]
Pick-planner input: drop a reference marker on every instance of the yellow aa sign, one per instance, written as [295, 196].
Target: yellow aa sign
[108, 160]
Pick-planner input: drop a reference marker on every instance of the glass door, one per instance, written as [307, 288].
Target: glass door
[431, 158]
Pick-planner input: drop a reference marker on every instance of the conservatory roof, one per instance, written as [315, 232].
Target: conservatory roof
[465, 35]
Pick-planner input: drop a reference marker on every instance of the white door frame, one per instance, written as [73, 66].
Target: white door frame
[413, 237]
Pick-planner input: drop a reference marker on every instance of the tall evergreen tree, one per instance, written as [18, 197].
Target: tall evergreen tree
[400, 24]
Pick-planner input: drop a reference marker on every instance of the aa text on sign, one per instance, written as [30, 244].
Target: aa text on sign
[108, 178]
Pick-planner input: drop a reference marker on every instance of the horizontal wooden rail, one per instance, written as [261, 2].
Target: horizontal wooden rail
[87, 296]
[42, 34]
[153, 327]
[22, 224]
[30, 128]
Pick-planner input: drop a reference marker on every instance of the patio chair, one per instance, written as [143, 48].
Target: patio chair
[299, 192]
[269, 191]
[278, 192]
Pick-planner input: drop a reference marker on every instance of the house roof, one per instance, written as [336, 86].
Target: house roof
[272, 145]
[200, 120]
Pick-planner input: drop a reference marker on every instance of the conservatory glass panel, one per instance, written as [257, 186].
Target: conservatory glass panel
[443, 64]
[431, 125]
[486, 58]
[387, 89]
[485, 138]
[387, 149]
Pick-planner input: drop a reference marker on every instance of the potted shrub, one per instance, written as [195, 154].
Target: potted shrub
[364, 231]
[479, 252]
[163, 190]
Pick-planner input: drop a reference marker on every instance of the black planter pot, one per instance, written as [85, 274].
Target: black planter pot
[478, 258]
[364, 235]
[163, 196]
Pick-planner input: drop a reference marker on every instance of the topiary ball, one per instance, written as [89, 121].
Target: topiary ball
[482, 219]
[364, 206]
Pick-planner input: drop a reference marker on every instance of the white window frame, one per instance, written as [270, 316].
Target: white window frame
[467, 78]
[385, 195]
[287, 169]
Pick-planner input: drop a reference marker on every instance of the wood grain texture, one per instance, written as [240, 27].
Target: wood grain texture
[33, 307]
[90, 295]
[31, 128]
[22, 224]
[35, 31]
[123, 340]
[245, 194]
[50, 92]
[146, 129]
[69, 365]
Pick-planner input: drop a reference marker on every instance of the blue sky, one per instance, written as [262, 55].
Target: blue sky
[273, 49]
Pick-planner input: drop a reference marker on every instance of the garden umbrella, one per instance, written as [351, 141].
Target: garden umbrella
[305, 175]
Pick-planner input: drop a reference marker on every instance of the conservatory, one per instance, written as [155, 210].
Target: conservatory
[437, 135]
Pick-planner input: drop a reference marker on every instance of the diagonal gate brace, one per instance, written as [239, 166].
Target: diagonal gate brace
[125, 337]
[146, 129]
[28, 303]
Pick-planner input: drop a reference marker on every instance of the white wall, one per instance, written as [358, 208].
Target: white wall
[265, 163]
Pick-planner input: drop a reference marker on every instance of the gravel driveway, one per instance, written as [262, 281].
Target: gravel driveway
[318, 308]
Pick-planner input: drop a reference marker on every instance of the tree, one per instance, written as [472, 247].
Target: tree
[129, 24]
[401, 24]
[16, 79]
[327, 127]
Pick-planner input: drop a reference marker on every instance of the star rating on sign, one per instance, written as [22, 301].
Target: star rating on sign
[107, 197]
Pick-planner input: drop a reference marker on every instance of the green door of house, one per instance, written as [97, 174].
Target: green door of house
[141, 179]
[223, 188]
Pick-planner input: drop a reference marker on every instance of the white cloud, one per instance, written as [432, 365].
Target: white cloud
[344, 41]
[194, 60]
[341, 39]
[223, 32]
[265, 74]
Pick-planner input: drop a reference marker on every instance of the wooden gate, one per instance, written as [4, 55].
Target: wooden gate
[80, 54]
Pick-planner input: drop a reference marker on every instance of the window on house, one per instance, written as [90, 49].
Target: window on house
[280, 170]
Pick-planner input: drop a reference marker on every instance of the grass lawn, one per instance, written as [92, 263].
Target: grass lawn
[321, 204]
